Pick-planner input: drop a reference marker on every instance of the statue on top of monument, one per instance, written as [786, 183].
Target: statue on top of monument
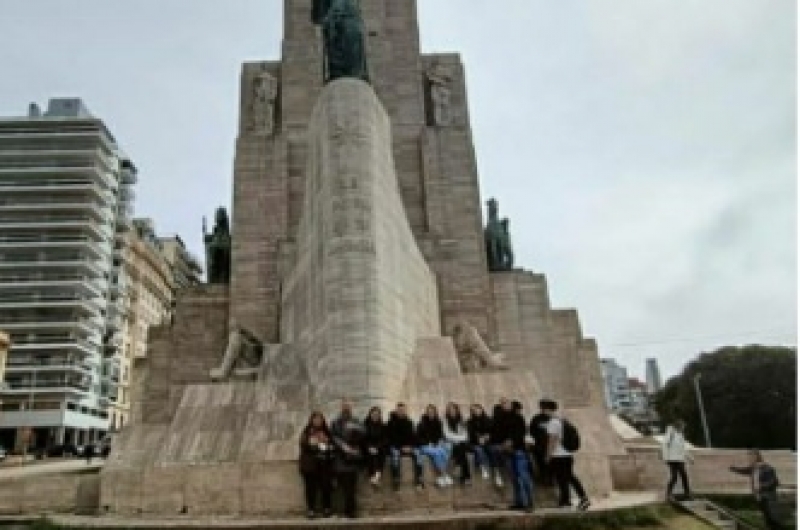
[499, 254]
[218, 248]
[343, 35]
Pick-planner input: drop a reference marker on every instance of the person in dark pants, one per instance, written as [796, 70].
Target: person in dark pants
[538, 431]
[479, 428]
[764, 484]
[519, 463]
[348, 435]
[402, 443]
[457, 439]
[499, 440]
[375, 445]
[674, 453]
[316, 454]
[561, 461]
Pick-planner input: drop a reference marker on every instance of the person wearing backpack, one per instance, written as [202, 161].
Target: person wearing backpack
[563, 441]
[673, 451]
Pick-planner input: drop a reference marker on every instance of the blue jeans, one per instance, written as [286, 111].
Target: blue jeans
[521, 478]
[439, 455]
[484, 456]
[395, 454]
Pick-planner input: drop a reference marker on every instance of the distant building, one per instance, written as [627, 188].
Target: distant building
[186, 269]
[5, 345]
[652, 376]
[638, 398]
[615, 379]
[66, 192]
[148, 302]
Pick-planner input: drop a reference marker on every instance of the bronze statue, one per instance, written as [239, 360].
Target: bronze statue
[499, 254]
[343, 35]
[218, 249]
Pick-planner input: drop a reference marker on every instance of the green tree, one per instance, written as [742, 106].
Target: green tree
[749, 394]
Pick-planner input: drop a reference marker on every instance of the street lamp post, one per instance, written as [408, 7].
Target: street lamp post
[699, 395]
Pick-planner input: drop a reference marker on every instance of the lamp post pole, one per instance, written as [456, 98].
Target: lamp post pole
[699, 395]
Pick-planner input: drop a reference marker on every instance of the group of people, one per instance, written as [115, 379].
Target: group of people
[500, 444]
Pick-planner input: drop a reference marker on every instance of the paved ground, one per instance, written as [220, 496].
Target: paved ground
[618, 500]
[56, 465]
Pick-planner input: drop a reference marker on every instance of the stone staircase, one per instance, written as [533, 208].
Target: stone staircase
[713, 514]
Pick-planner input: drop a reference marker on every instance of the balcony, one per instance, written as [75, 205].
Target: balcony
[68, 285]
[42, 188]
[33, 325]
[84, 208]
[54, 366]
[98, 175]
[43, 345]
[78, 305]
[53, 241]
[79, 224]
[65, 385]
[48, 266]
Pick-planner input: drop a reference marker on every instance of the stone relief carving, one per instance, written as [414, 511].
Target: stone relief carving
[244, 356]
[265, 92]
[473, 354]
[439, 79]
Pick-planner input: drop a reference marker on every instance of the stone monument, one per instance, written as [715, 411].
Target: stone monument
[358, 267]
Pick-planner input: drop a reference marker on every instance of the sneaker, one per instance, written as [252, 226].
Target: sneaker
[484, 473]
[584, 505]
[375, 480]
[448, 480]
[441, 482]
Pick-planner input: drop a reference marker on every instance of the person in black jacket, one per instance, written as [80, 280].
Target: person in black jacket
[348, 437]
[401, 442]
[518, 459]
[500, 440]
[431, 443]
[375, 444]
[479, 427]
[316, 461]
[538, 431]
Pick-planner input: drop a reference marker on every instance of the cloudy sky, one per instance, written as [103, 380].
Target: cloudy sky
[644, 150]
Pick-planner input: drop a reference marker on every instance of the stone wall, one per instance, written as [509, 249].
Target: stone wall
[643, 469]
[73, 492]
[182, 353]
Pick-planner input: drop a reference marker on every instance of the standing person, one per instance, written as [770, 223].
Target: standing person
[402, 443]
[375, 444]
[519, 463]
[457, 440]
[560, 460]
[348, 435]
[479, 428]
[499, 440]
[430, 442]
[673, 451]
[316, 454]
[538, 431]
[764, 484]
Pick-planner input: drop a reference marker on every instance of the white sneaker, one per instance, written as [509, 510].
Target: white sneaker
[498, 480]
[448, 480]
[485, 473]
[441, 482]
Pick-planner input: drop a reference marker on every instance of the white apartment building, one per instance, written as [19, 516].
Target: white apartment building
[615, 383]
[65, 203]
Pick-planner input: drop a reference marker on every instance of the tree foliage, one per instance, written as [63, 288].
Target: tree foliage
[749, 395]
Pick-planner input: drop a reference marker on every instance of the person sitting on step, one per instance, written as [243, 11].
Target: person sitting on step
[402, 443]
[457, 440]
[375, 444]
[431, 443]
[479, 428]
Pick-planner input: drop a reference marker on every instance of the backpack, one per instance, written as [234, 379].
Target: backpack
[570, 438]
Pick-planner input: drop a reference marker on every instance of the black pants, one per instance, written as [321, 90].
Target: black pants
[542, 467]
[769, 510]
[460, 452]
[347, 481]
[375, 462]
[678, 469]
[317, 484]
[561, 466]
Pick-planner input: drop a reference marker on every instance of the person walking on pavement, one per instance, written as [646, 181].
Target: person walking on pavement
[764, 484]
[674, 453]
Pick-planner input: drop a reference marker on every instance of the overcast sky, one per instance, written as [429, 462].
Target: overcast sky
[645, 151]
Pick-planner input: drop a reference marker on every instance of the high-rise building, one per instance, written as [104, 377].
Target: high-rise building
[65, 204]
[148, 302]
[616, 384]
[186, 269]
[652, 376]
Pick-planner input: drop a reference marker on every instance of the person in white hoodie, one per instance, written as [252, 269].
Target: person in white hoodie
[457, 439]
[673, 451]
